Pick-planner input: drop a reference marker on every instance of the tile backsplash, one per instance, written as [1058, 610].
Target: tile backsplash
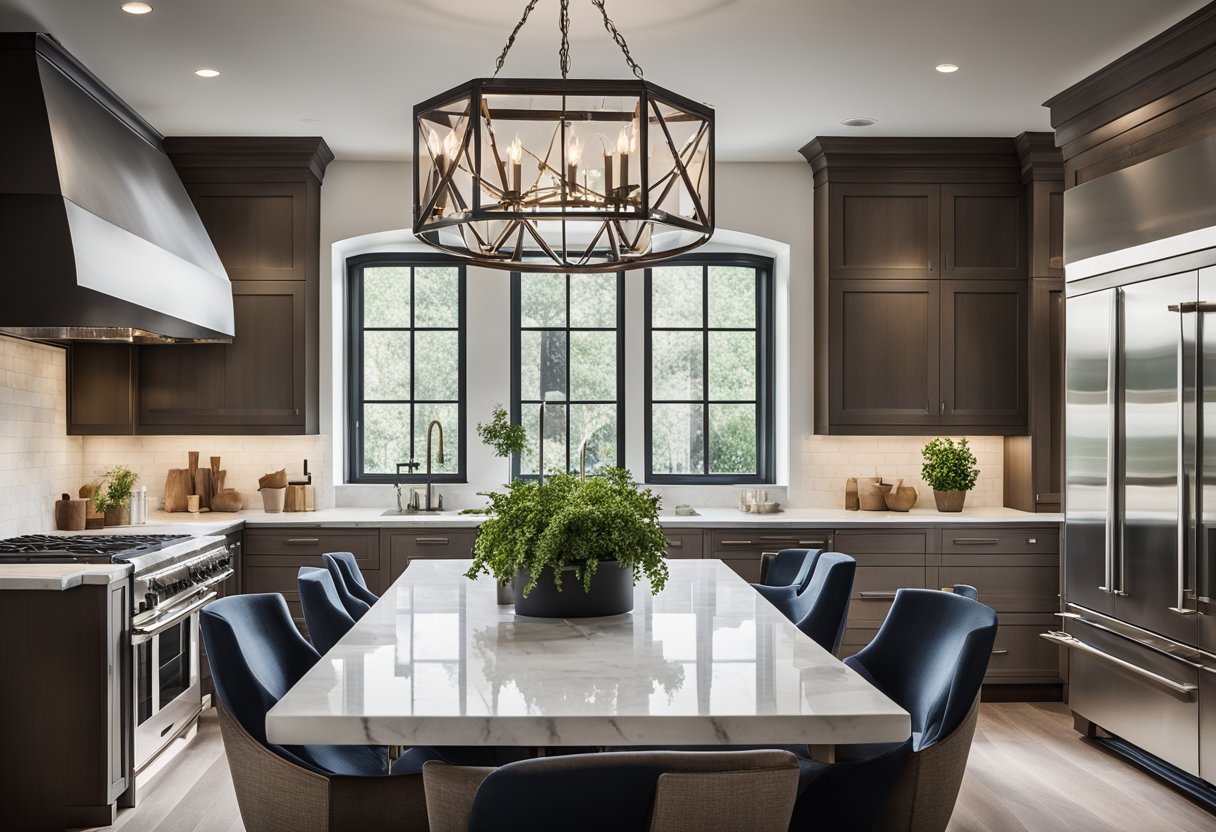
[245, 458]
[38, 460]
[827, 461]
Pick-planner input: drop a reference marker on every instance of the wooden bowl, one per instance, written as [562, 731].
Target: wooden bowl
[901, 499]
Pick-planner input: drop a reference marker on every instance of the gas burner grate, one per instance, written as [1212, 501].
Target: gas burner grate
[114, 544]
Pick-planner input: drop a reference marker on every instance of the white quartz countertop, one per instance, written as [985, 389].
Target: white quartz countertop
[59, 576]
[707, 661]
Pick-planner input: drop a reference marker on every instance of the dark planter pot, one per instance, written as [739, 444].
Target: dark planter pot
[949, 500]
[611, 593]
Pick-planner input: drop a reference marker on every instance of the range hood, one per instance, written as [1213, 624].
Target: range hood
[98, 238]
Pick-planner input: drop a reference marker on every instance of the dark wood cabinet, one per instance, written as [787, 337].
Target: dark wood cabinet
[259, 200]
[921, 299]
[884, 336]
[983, 352]
[256, 384]
[402, 547]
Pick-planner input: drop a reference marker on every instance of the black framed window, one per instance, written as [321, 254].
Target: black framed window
[567, 351]
[709, 370]
[407, 365]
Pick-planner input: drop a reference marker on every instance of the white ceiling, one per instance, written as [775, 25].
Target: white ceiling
[779, 72]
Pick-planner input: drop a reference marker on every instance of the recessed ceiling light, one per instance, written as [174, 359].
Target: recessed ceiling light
[947, 68]
[205, 72]
[136, 8]
[860, 121]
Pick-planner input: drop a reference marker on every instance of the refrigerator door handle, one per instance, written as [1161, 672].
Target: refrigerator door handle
[1072, 643]
[1112, 425]
[1183, 524]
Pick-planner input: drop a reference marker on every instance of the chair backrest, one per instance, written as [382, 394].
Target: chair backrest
[792, 567]
[324, 614]
[967, 591]
[659, 791]
[930, 656]
[256, 655]
[820, 609]
[348, 579]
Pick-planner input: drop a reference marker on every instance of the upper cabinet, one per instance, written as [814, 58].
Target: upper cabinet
[259, 200]
[922, 304]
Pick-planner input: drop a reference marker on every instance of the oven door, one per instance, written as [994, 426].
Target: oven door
[168, 696]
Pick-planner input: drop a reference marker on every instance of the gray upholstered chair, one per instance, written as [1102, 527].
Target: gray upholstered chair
[644, 791]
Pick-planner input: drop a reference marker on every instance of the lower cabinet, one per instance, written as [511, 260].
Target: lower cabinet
[403, 546]
[741, 549]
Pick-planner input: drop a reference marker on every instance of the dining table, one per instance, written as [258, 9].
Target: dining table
[706, 661]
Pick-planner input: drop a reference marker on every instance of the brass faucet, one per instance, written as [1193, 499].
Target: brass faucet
[429, 502]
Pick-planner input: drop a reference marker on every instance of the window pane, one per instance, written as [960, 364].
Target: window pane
[386, 296]
[386, 365]
[542, 365]
[437, 296]
[555, 438]
[449, 418]
[542, 299]
[436, 365]
[675, 296]
[732, 439]
[677, 441]
[386, 437]
[732, 365]
[595, 423]
[732, 296]
[593, 300]
[592, 366]
[676, 365]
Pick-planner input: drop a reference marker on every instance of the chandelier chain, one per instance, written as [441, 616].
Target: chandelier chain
[618, 37]
[564, 25]
[502, 58]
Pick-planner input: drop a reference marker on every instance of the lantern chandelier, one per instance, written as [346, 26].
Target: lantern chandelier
[563, 175]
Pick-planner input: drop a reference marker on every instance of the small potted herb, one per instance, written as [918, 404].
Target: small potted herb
[113, 495]
[950, 471]
[572, 547]
[502, 436]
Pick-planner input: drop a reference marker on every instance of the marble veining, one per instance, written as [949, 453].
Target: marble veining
[708, 661]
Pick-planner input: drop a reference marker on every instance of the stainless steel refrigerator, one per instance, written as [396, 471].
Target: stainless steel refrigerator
[1140, 459]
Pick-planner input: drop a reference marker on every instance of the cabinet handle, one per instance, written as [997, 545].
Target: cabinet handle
[736, 543]
[302, 541]
[675, 544]
[999, 652]
[884, 595]
[942, 408]
[976, 541]
[1073, 643]
[433, 541]
[822, 544]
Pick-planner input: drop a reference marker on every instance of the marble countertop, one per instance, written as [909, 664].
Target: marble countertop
[57, 577]
[708, 661]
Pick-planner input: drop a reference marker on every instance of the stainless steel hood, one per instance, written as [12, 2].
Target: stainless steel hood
[98, 238]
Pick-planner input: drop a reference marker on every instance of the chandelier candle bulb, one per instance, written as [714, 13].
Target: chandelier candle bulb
[622, 148]
[515, 153]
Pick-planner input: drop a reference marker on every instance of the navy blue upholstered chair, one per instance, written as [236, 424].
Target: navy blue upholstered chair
[646, 791]
[256, 655]
[348, 579]
[821, 608]
[326, 617]
[929, 656]
[790, 567]
[967, 591]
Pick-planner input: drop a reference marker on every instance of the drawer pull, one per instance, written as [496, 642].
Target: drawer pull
[736, 543]
[675, 544]
[1073, 643]
[976, 541]
[884, 595]
[820, 544]
[1032, 541]
[999, 652]
[302, 541]
[431, 541]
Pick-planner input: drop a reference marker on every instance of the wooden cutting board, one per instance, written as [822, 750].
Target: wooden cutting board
[178, 486]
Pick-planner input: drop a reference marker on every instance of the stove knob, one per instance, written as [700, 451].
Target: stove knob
[150, 601]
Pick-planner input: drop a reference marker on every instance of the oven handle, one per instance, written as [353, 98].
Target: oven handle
[143, 634]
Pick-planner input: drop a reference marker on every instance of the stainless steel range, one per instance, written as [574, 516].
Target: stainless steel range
[172, 578]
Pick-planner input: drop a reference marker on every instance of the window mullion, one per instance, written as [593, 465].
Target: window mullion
[705, 368]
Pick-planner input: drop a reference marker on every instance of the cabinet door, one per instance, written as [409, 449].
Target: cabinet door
[403, 547]
[101, 389]
[883, 340]
[1047, 391]
[256, 384]
[983, 231]
[983, 353]
[1047, 229]
[260, 230]
[884, 231]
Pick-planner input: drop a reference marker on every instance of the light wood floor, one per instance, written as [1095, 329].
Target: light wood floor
[1028, 772]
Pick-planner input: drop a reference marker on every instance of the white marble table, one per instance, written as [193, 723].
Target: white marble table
[708, 661]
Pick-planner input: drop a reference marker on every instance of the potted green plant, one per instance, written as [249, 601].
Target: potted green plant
[113, 495]
[502, 436]
[950, 471]
[572, 547]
